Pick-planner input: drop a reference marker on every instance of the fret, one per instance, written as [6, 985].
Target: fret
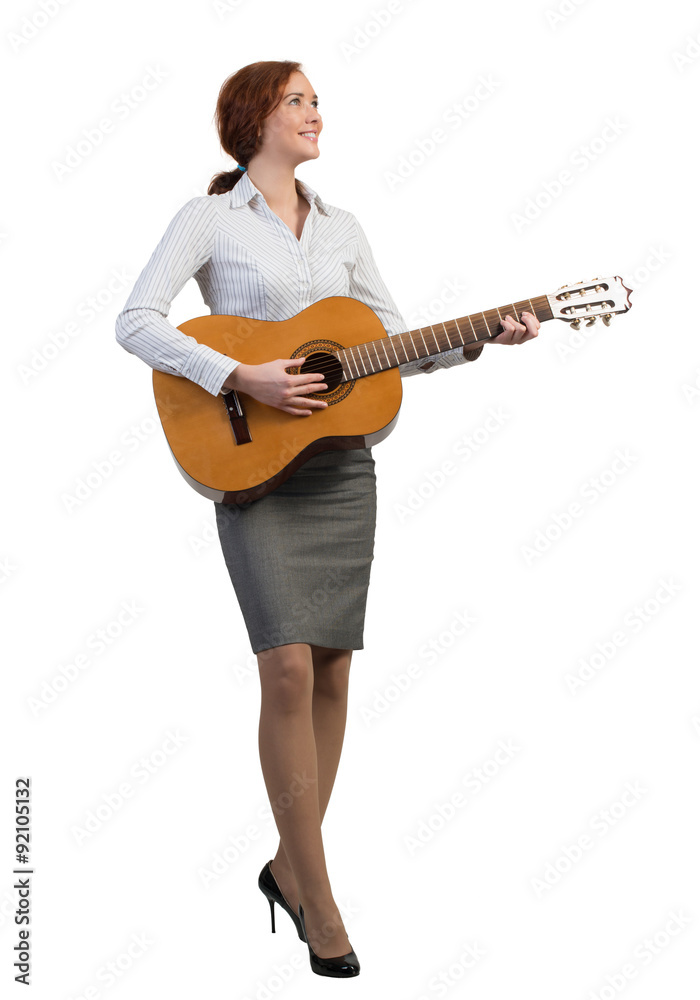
[420, 331]
[459, 329]
[451, 329]
[445, 337]
[493, 322]
[479, 326]
[358, 358]
[392, 341]
[400, 339]
[346, 360]
[437, 343]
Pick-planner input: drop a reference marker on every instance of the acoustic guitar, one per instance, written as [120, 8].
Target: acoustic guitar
[234, 449]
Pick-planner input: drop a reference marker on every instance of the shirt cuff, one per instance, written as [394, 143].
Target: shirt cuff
[459, 358]
[473, 354]
[208, 368]
[222, 391]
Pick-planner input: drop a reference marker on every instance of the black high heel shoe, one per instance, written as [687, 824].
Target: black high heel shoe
[343, 966]
[268, 886]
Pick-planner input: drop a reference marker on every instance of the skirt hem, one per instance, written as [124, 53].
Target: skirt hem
[331, 643]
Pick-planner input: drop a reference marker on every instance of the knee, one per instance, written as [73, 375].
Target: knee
[286, 677]
[331, 672]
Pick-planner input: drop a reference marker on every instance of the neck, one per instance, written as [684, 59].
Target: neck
[276, 182]
[378, 355]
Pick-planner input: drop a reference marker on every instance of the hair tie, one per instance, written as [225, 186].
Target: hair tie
[241, 168]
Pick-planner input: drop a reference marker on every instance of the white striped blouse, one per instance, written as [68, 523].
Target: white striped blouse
[248, 262]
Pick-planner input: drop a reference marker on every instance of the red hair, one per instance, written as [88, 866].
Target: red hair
[246, 98]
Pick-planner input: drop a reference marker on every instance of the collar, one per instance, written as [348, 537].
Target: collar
[245, 191]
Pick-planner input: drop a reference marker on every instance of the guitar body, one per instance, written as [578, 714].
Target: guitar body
[360, 412]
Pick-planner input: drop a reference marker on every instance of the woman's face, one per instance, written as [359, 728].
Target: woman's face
[283, 133]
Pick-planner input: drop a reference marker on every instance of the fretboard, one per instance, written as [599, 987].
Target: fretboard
[389, 352]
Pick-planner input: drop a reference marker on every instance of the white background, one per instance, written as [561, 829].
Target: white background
[494, 876]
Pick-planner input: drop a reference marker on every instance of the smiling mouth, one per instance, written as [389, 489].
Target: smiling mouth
[313, 136]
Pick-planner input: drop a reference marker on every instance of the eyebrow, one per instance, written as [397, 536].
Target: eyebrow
[300, 95]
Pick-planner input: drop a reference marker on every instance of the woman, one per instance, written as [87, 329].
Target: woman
[264, 245]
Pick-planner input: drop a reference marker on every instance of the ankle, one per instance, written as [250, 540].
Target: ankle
[280, 864]
[323, 926]
[319, 904]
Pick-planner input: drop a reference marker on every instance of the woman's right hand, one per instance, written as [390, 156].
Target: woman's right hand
[271, 383]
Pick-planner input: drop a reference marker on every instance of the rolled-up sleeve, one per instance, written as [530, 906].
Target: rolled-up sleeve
[366, 284]
[142, 328]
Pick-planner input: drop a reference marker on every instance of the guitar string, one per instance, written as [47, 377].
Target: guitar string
[326, 366]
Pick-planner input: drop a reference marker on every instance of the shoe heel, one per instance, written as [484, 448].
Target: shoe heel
[267, 884]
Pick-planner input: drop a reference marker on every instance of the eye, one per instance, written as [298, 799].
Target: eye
[296, 99]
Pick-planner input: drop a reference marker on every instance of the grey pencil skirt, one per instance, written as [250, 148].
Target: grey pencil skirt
[300, 557]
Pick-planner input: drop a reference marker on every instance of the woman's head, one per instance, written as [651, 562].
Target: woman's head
[262, 110]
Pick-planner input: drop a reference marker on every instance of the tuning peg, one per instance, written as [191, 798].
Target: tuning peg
[576, 323]
[566, 295]
[607, 318]
[591, 321]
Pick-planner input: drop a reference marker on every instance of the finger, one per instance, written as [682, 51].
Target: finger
[300, 390]
[511, 329]
[297, 363]
[303, 378]
[307, 378]
[317, 404]
[532, 324]
[291, 363]
[298, 411]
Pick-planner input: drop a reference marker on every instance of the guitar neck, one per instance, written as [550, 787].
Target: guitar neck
[390, 352]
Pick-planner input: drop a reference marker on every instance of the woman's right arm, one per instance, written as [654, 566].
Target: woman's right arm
[142, 327]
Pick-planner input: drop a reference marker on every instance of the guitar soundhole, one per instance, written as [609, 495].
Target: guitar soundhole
[329, 366]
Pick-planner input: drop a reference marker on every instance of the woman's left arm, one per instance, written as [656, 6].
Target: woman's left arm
[366, 284]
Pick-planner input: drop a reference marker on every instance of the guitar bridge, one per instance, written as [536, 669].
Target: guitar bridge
[236, 414]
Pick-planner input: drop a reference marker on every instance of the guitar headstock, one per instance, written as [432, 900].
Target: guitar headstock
[590, 299]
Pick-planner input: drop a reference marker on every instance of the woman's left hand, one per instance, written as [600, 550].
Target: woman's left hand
[517, 333]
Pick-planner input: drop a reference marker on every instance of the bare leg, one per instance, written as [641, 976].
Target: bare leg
[329, 708]
[302, 725]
